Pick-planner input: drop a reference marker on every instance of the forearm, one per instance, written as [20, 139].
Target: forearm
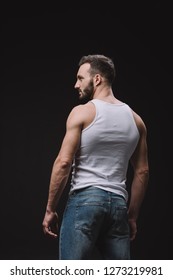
[138, 190]
[59, 177]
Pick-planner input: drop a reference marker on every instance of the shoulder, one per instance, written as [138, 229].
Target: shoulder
[81, 113]
[79, 110]
[140, 123]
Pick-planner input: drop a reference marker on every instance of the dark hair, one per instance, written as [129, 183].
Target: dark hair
[100, 64]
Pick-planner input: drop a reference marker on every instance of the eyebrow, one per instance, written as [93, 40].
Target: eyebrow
[79, 77]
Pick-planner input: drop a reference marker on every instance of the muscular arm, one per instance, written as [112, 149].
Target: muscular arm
[139, 161]
[61, 171]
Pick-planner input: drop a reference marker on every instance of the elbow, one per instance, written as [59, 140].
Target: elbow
[62, 163]
[144, 171]
[143, 174]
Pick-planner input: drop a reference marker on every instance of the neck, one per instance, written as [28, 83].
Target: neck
[105, 94]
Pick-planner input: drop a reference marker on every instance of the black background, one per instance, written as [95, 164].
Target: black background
[41, 47]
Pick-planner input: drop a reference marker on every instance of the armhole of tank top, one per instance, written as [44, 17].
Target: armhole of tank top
[93, 121]
[133, 117]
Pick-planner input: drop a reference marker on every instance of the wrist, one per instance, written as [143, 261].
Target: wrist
[49, 210]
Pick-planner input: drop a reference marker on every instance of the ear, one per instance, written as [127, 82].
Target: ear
[97, 79]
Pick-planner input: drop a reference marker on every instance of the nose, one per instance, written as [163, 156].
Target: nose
[76, 86]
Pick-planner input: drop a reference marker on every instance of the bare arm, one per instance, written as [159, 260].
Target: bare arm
[61, 171]
[139, 161]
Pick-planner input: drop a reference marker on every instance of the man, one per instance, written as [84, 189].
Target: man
[103, 136]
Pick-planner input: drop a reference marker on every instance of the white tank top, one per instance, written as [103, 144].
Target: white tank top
[106, 147]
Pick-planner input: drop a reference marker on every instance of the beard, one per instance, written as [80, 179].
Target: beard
[87, 93]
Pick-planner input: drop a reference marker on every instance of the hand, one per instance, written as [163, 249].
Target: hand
[133, 229]
[50, 224]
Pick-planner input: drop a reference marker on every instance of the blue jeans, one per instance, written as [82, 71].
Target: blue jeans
[94, 218]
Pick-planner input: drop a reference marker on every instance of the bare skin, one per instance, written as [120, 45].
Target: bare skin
[79, 118]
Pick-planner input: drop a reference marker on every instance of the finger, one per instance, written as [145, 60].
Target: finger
[48, 231]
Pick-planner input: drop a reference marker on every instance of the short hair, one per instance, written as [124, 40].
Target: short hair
[100, 64]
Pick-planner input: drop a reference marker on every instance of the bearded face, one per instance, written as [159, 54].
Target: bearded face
[87, 92]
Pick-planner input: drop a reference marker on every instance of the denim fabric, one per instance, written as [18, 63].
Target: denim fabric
[94, 217]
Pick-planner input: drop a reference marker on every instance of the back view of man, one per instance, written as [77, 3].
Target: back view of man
[102, 137]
